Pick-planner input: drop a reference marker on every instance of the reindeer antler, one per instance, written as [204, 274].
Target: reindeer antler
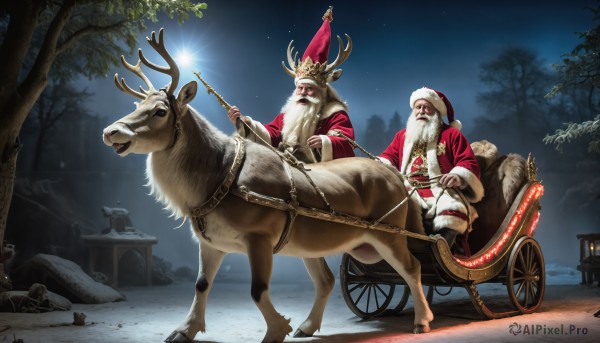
[137, 70]
[291, 60]
[342, 54]
[171, 70]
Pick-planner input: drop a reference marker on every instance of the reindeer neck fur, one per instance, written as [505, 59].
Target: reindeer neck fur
[186, 174]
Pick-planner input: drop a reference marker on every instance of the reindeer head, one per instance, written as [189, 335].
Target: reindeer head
[155, 123]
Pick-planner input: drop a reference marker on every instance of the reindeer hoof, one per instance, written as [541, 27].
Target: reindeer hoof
[177, 337]
[300, 334]
[421, 329]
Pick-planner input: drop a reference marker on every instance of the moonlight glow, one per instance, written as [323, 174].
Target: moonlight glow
[184, 58]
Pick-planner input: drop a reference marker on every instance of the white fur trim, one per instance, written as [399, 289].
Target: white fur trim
[450, 200]
[431, 96]
[332, 107]
[433, 166]
[327, 149]
[406, 153]
[259, 129]
[456, 124]
[476, 187]
[451, 222]
[385, 161]
[306, 80]
[432, 159]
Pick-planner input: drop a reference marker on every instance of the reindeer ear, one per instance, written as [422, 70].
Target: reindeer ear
[333, 76]
[187, 93]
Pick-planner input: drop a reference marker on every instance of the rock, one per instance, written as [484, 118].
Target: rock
[38, 299]
[66, 278]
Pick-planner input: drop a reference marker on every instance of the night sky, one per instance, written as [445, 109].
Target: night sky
[397, 47]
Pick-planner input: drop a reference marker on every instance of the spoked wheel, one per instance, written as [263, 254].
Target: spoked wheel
[403, 300]
[406, 294]
[526, 276]
[364, 294]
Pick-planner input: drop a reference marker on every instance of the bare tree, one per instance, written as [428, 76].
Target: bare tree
[61, 39]
[515, 100]
[55, 103]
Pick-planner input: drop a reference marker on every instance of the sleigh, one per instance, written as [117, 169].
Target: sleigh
[504, 251]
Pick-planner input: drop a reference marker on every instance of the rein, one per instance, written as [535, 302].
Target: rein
[293, 208]
[177, 118]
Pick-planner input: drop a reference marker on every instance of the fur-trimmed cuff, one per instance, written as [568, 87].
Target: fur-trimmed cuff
[327, 149]
[474, 189]
[260, 130]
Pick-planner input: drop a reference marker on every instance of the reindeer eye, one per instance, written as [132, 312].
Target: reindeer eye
[160, 113]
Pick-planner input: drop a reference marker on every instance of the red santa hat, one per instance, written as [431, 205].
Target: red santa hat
[439, 101]
[313, 68]
[318, 48]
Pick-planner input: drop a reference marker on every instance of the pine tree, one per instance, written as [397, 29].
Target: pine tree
[581, 70]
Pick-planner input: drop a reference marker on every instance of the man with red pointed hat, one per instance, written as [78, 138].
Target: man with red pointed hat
[438, 161]
[308, 119]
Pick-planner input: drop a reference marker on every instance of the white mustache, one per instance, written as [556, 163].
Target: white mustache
[311, 99]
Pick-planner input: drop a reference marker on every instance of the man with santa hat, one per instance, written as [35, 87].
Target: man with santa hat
[308, 119]
[438, 163]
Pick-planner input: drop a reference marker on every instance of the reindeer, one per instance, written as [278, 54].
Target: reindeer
[189, 160]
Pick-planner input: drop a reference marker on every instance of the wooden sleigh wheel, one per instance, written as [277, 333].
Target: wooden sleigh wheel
[368, 292]
[526, 276]
[365, 295]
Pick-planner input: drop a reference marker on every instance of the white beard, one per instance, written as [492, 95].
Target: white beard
[300, 120]
[423, 132]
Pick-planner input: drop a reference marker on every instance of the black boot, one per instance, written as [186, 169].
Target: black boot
[448, 234]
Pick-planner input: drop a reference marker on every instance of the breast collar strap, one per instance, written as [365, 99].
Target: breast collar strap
[199, 213]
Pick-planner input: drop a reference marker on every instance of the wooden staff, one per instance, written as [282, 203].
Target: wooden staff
[239, 124]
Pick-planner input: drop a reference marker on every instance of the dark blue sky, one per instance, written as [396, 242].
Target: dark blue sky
[398, 47]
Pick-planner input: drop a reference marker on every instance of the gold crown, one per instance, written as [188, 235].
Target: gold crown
[307, 69]
[319, 72]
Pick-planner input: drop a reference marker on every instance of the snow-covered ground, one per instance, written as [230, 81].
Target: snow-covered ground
[151, 313]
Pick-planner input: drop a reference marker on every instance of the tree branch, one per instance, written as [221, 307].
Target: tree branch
[86, 31]
[37, 78]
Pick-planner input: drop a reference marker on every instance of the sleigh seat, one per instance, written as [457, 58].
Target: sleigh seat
[502, 178]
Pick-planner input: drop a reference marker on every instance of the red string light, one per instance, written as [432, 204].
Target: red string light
[533, 193]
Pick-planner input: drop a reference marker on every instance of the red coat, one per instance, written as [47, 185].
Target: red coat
[458, 152]
[337, 121]
[452, 153]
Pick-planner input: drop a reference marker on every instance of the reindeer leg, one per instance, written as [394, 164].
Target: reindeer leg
[323, 281]
[260, 255]
[410, 269]
[210, 261]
